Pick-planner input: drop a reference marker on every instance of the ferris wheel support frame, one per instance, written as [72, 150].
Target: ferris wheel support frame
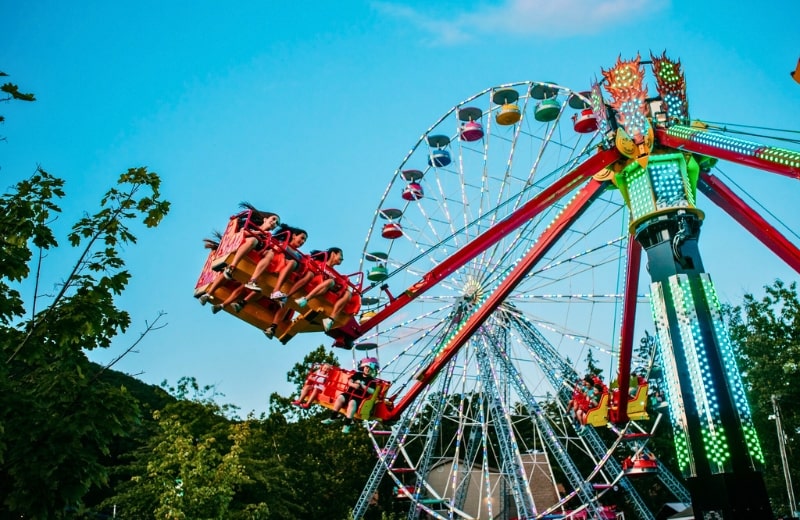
[576, 207]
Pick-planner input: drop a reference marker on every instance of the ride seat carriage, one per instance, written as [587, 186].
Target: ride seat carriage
[640, 464]
[637, 406]
[337, 383]
[260, 312]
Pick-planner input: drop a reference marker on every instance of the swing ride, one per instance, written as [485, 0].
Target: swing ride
[513, 229]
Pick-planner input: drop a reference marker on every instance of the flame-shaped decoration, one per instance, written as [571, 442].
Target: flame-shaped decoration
[671, 85]
[625, 83]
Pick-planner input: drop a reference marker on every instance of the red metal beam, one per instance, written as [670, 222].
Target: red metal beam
[494, 234]
[721, 195]
[754, 161]
[570, 214]
[620, 415]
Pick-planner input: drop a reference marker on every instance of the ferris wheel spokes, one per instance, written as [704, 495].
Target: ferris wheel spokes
[493, 235]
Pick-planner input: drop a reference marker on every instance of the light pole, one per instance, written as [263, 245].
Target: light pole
[784, 460]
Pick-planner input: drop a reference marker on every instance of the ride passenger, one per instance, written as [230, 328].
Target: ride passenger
[265, 221]
[575, 405]
[584, 402]
[333, 257]
[332, 282]
[314, 385]
[357, 388]
[259, 242]
[292, 258]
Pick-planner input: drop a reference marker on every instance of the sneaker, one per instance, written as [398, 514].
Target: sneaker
[252, 285]
[301, 302]
[228, 272]
[216, 308]
[328, 421]
[297, 402]
[238, 306]
[204, 299]
[270, 331]
[346, 428]
[327, 323]
[277, 295]
[305, 406]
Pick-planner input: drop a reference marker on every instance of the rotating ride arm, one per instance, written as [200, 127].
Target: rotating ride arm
[721, 195]
[740, 151]
[748, 153]
[619, 413]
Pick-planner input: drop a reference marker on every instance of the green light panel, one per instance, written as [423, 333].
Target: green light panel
[732, 373]
[705, 398]
[640, 191]
[672, 386]
[670, 181]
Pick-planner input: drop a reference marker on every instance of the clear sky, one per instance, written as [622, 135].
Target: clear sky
[306, 109]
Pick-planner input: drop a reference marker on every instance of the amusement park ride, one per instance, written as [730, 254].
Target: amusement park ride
[511, 202]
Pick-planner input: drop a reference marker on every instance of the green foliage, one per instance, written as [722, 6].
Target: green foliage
[59, 416]
[766, 334]
[13, 92]
[187, 474]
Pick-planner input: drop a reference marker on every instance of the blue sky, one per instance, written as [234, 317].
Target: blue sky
[308, 111]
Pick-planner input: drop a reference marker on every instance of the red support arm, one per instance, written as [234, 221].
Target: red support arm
[756, 160]
[721, 195]
[620, 415]
[576, 208]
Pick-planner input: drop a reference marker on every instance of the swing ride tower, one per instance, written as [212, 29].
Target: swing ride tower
[717, 448]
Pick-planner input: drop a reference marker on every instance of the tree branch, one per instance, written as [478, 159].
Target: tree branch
[150, 327]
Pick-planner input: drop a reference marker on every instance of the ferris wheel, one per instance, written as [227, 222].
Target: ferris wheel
[501, 254]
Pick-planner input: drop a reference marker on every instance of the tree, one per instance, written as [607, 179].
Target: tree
[58, 417]
[766, 335]
[190, 468]
[591, 364]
